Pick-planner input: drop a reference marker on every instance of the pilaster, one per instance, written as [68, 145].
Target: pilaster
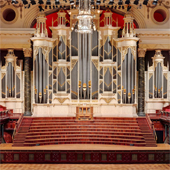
[27, 79]
[141, 82]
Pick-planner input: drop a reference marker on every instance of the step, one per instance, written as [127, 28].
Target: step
[83, 132]
[82, 138]
[82, 123]
[86, 142]
[82, 135]
[80, 126]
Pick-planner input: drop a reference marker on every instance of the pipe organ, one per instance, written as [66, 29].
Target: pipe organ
[42, 62]
[84, 67]
[126, 63]
[11, 77]
[11, 84]
[157, 78]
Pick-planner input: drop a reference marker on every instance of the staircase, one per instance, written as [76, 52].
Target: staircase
[23, 130]
[66, 130]
[148, 136]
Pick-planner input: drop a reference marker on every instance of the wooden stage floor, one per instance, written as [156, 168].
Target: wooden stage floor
[85, 167]
[85, 154]
[66, 147]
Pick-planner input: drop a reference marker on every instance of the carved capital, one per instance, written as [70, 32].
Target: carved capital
[141, 52]
[27, 52]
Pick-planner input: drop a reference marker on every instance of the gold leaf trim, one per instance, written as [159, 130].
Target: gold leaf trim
[61, 52]
[150, 75]
[61, 85]
[18, 75]
[3, 75]
[74, 92]
[101, 89]
[100, 82]
[95, 62]
[73, 63]
[110, 70]
[74, 47]
[107, 52]
[61, 100]
[108, 85]
[107, 100]
[94, 92]
[68, 81]
[63, 69]
[94, 47]
[166, 75]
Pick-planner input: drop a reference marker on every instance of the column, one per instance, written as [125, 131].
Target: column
[141, 82]
[27, 79]
[169, 134]
[2, 133]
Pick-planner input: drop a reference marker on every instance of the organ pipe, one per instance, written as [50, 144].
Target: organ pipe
[44, 80]
[40, 75]
[158, 70]
[36, 80]
[80, 65]
[89, 60]
[128, 78]
[84, 65]
[41, 78]
[9, 72]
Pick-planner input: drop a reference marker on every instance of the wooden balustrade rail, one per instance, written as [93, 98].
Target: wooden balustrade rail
[18, 123]
[149, 123]
[4, 114]
[151, 126]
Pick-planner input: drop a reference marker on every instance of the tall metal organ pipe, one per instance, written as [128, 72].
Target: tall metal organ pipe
[40, 76]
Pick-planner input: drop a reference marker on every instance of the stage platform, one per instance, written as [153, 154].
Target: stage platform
[85, 153]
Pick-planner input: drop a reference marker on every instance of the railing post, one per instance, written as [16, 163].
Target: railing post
[165, 131]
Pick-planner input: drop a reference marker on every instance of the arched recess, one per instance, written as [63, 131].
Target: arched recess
[138, 16]
[32, 14]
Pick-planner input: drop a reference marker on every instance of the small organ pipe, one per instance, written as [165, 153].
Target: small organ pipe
[44, 80]
[132, 71]
[40, 75]
[36, 80]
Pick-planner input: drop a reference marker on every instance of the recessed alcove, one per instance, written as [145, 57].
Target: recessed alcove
[9, 14]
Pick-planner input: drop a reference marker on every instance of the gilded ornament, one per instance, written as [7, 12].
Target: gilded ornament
[40, 95]
[107, 100]
[89, 83]
[73, 63]
[129, 95]
[95, 62]
[133, 91]
[75, 93]
[79, 84]
[44, 91]
[61, 84]
[108, 85]
[3, 75]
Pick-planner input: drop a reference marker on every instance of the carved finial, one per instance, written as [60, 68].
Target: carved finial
[10, 57]
[41, 30]
[128, 30]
